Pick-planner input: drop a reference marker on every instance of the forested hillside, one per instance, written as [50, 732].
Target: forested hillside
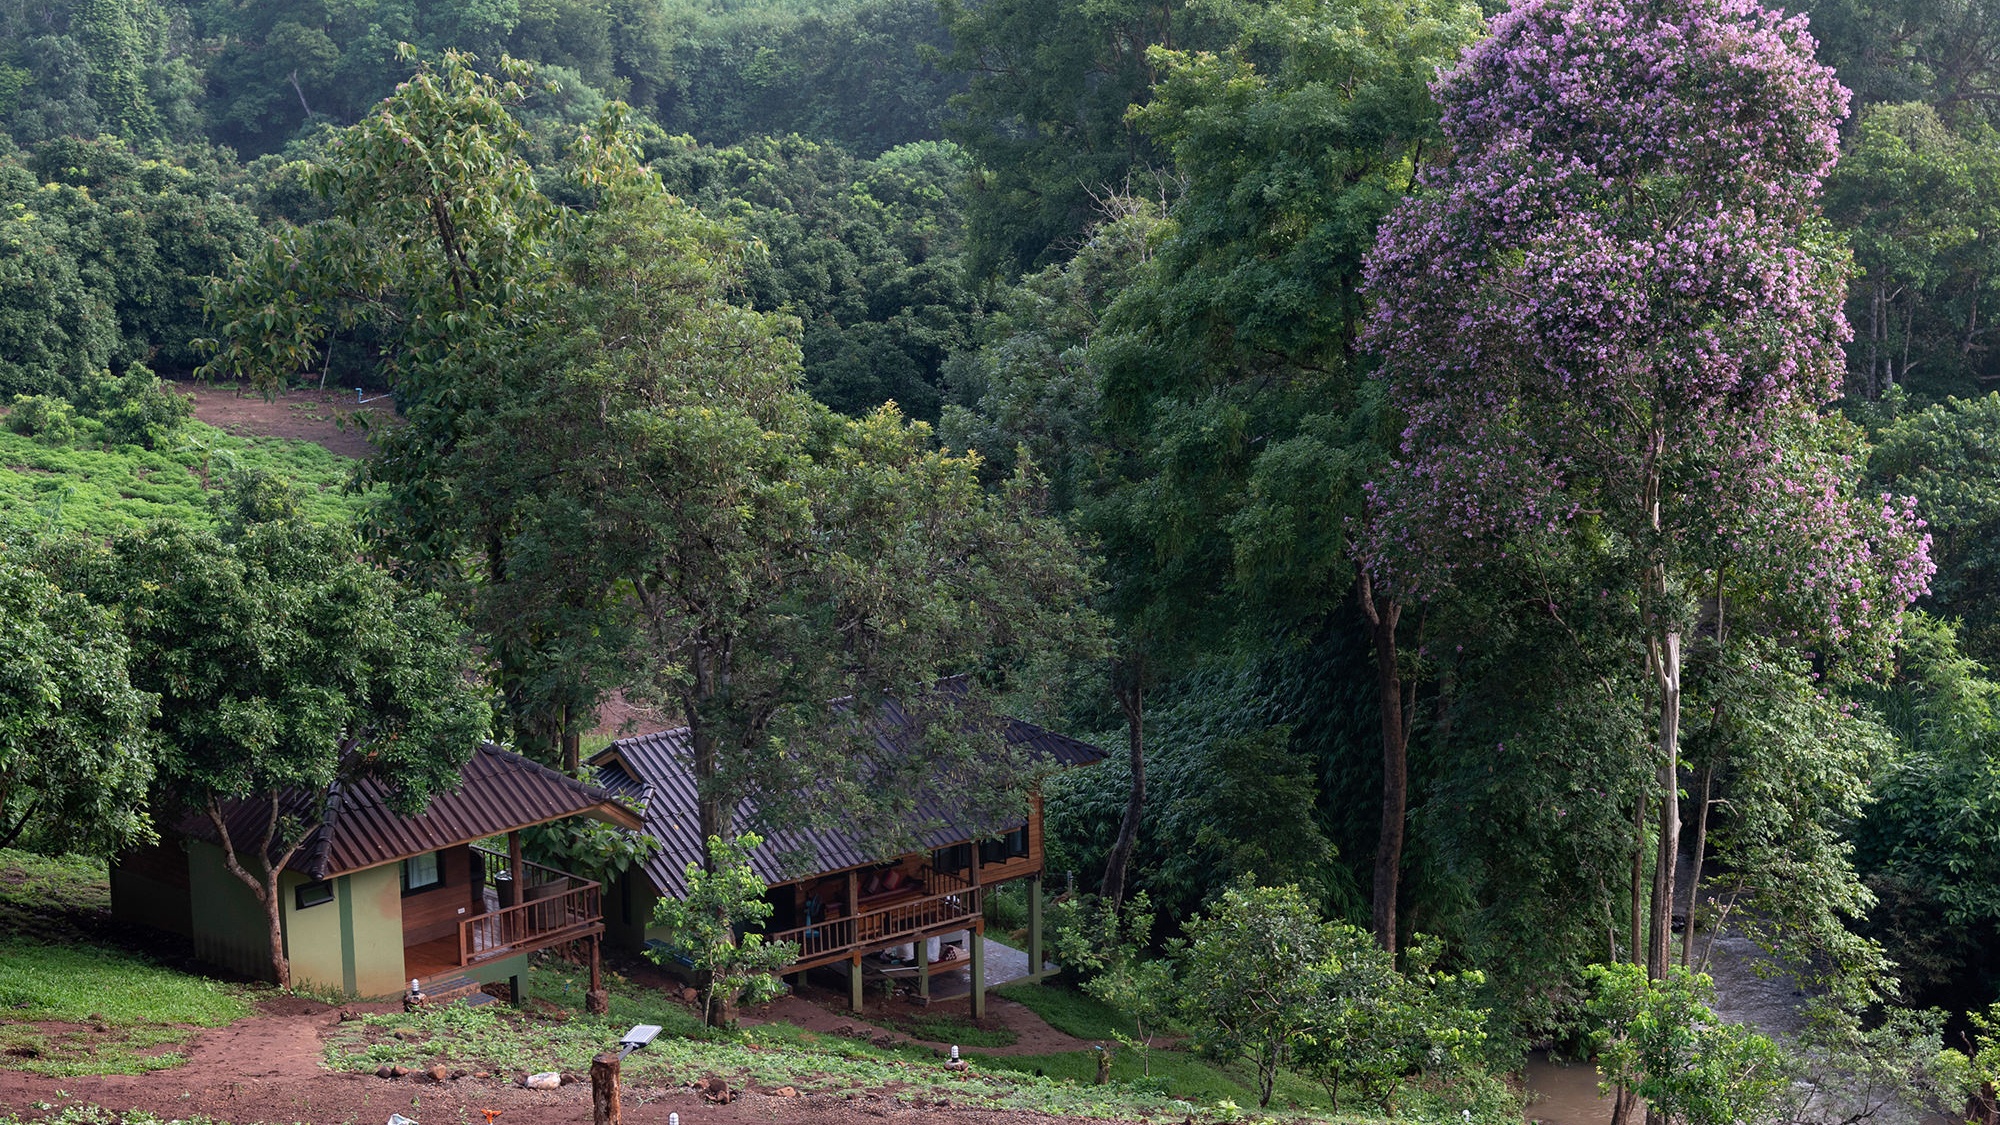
[1517, 486]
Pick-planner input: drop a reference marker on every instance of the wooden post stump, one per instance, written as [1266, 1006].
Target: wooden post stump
[604, 1089]
[596, 1001]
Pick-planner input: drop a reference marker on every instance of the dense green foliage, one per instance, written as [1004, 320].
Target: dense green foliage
[642, 277]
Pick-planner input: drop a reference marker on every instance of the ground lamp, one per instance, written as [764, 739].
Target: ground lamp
[604, 1073]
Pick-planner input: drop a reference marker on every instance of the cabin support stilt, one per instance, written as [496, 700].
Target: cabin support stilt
[978, 941]
[854, 984]
[924, 969]
[1035, 926]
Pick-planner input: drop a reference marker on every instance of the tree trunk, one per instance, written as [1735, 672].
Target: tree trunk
[1382, 619]
[1668, 672]
[1663, 655]
[263, 883]
[1132, 701]
[1635, 945]
[1694, 877]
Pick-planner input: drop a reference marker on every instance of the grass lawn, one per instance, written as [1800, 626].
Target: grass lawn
[1069, 1011]
[1174, 1074]
[90, 1010]
[100, 491]
[72, 1007]
[1177, 1074]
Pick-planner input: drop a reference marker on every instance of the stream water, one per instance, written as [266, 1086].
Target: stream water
[1747, 991]
[1564, 1093]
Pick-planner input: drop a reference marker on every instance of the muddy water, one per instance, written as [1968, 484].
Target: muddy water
[1749, 989]
[1565, 1093]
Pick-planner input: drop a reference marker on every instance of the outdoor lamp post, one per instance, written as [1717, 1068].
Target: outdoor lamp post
[604, 1073]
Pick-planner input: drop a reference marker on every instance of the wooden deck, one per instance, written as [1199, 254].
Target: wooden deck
[557, 907]
[943, 905]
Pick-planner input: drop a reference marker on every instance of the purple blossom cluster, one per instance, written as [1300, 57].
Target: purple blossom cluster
[1613, 308]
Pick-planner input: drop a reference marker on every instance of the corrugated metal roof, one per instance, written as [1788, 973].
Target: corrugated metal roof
[657, 768]
[498, 791]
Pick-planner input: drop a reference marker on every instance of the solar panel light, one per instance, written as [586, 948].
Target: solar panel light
[639, 1036]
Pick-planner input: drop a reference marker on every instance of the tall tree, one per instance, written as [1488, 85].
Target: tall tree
[75, 754]
[283, 665]
[620, 447]
[1237, 354]
[440, 242]
[1612, 317]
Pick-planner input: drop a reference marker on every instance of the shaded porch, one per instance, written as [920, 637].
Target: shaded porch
[498, 914]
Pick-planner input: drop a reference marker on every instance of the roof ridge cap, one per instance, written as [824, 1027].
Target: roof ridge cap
[594, 792]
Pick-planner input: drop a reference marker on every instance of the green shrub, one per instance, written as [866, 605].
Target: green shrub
[1007, 907]
[46, 418]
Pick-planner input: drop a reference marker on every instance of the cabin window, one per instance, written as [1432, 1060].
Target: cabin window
[953, 859]
[1011, 846]
[421, 873]
[314, 894]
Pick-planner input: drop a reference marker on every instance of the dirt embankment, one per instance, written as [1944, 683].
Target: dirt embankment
[332, 418]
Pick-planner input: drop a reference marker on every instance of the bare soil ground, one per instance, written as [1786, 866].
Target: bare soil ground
[266, 1069]
[331, 418]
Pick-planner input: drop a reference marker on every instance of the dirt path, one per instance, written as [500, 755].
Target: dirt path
[1036, 1037]
[330, 418]
[267, 1069]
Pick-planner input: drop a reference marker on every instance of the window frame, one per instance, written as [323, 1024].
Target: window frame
[299, 894]
[437, 871]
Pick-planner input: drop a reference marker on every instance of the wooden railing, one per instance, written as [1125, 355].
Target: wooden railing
[882, 926]
[556, 907]
[495, 862]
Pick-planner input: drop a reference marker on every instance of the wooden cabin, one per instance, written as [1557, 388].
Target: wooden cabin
[850, 902]
[374, 899]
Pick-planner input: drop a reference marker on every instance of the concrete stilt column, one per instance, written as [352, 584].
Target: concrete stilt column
[854, 982]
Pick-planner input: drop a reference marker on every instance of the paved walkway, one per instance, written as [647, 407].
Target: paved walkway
[951, 980]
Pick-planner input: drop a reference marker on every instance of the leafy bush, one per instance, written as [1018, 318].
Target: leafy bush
[45, 418]
[703, 929]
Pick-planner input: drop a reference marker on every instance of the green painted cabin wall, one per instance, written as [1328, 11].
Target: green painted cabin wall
[229, 924]
[373, 922]
[312, 936]
[353, 944]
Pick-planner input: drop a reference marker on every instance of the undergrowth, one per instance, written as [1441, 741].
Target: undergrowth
[508, 1042]
[100, 491]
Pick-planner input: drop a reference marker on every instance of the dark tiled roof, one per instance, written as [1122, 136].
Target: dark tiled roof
[656, 767]
[498, 791]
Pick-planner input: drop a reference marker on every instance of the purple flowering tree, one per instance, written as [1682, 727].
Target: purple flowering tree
[1611, 318]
